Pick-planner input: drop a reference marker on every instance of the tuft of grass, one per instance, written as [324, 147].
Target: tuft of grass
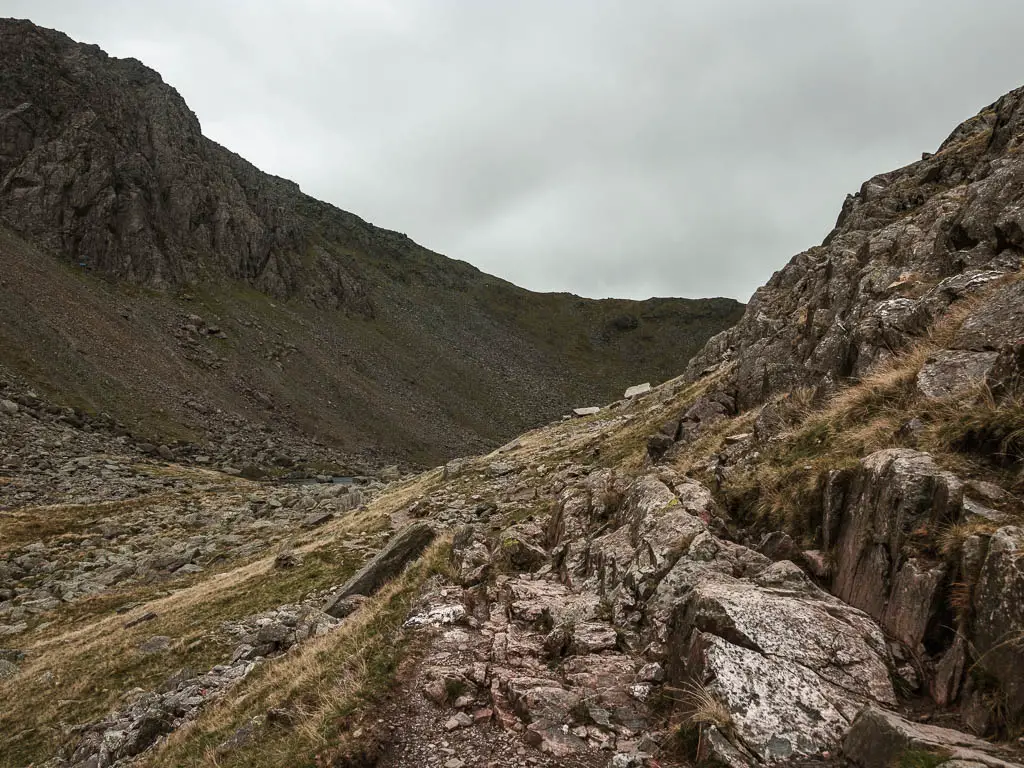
[702, 707]
[981, 425]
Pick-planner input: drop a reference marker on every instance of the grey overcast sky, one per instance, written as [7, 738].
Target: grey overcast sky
[608, 148]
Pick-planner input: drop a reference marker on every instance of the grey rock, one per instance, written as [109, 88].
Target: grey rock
[8, 669]
[996, 322]
[156, 644]
[403, 547]
[792, 663]
[954, 371]
[458, 720]
[317, 518]
[892, 494]
[637, 390]
[997, 635]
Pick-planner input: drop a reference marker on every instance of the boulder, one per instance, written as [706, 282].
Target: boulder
[385, 565]
[589, 411]
[791, 663]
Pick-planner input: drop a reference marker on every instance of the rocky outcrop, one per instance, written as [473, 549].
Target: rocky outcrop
[894, 496]
[997, 636]
[907, 246]
[791, 664]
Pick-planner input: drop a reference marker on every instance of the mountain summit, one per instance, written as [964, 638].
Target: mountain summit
[148, 269]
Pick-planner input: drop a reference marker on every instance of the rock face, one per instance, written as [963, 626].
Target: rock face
[383, 344]
[791, 663]
[908, 245]
[998, 628]
[893, 494]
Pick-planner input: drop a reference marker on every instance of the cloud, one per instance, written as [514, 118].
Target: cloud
[603, 148]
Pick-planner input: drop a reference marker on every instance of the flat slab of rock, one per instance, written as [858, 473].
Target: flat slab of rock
[317, 518]
[385, 565]
[590, 411]
[637, 390]
[880, 739]
[954, 371]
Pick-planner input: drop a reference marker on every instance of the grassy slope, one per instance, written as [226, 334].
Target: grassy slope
[441, 370]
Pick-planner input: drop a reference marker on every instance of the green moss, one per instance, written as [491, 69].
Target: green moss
[920, 758]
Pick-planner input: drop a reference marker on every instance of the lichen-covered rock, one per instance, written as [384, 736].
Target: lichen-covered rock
[953, 371]
[386, 564]
[791, 663]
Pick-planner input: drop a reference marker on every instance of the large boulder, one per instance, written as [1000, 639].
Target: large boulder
[385, 565]
[791, 663]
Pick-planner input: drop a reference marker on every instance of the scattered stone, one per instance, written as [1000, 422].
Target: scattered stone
[346, 606]
[317, 518]
[458, 720]
[8, 669]
[156, 644]
[147, 616]
[287, 559]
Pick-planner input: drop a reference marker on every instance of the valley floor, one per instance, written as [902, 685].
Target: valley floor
[580, 604]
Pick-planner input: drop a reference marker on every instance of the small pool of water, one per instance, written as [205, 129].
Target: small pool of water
[314, 481]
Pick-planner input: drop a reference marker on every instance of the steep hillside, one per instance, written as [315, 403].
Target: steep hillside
[121, 222]
[806, 550]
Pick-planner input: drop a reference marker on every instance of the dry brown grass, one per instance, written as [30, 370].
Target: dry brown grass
[702, 707]
[76, 674]
[969, 433]
[28, 524]
[322, 683]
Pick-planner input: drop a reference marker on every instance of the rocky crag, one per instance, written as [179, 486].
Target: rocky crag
[154, 275]
[804, 550]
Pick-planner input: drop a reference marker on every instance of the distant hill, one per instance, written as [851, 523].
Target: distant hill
[151, 273]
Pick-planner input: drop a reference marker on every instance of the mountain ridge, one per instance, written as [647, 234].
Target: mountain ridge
[105, 166]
